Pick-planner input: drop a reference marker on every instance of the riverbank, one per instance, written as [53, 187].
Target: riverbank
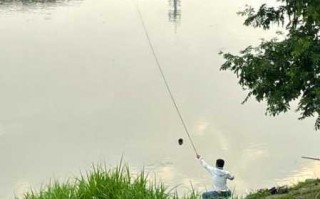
[309, 189]
[120, 183]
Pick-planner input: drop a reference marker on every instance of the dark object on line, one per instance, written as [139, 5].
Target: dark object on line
[180, 141]
[310, 158]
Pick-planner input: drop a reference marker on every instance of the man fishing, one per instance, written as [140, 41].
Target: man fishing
[220, 177]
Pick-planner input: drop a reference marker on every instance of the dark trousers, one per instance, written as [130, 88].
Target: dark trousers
[216, 195]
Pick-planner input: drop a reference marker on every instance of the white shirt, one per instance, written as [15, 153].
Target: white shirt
[219, 176]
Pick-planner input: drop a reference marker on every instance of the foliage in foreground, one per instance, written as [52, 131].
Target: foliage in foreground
[281, 71]
[119, 183]
[101, 183]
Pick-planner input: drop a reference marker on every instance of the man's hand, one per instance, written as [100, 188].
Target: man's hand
[198, 156]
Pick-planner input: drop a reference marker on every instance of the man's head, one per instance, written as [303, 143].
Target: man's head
[220, 163]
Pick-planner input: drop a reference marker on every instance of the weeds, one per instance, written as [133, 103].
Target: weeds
[102, 183]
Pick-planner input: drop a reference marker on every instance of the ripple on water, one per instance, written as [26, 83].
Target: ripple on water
[309, 170]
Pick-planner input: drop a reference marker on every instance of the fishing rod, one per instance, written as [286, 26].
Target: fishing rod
[310, 158]
[165, 80]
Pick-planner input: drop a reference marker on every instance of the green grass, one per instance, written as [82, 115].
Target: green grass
[309, 189]
[102, 183]
[120, 183]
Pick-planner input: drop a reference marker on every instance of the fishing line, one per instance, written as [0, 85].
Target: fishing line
[165, 80]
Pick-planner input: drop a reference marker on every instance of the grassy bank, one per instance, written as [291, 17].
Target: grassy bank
[309, 189]
[102, 183]
[120, 183]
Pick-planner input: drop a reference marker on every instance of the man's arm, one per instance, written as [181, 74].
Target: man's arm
[204, 164]
[230, 177]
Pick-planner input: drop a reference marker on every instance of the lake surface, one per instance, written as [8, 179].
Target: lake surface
[79, 85]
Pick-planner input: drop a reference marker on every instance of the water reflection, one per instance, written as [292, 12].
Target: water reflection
[23, 5]
[27, 1]
[21, 187]
[309, 171]
[175, 12]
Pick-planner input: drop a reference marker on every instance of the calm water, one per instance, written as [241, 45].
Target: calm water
[79, 85]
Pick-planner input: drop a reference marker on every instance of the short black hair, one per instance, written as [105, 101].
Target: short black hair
[220, 163]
